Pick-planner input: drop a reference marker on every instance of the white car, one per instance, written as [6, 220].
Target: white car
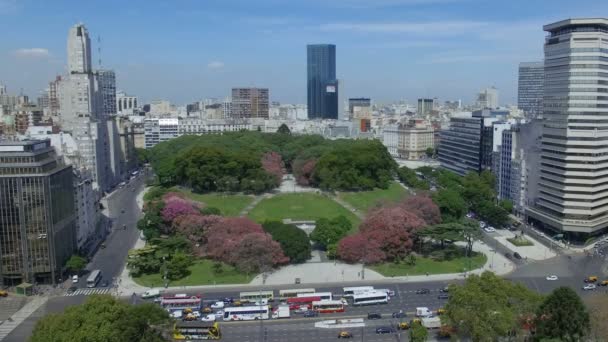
[209, 318]
[219, 314]
[217, 305]
[489, 230]
[175, 314]
[552, 277]
[482, 224]
[589, 287]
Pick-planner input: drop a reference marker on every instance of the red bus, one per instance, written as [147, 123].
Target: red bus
[296, 303]
[328, 306]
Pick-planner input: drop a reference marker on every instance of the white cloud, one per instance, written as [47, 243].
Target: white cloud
[427, 28]
[215, 65]
[32, 52]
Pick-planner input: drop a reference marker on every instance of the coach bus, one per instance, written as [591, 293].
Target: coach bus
[369, 298]
[301, 302]
[181, 303]
[284, 294]
[94, 278]
[328, 306]
[256, 296]
[322, 295]
[350, 291]
[246, 313]
[196, 330]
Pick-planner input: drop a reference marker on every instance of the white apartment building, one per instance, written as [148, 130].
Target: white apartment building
[414, 139]
[125, 104]
[157, 130]
[390, 138]
[573, 189]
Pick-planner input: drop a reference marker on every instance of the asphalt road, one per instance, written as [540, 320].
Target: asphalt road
[110, 260]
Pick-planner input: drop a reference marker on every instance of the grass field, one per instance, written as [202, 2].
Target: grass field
[302, 206]
[364, 200]
[229, 205]
[426, 265]
[201, 274]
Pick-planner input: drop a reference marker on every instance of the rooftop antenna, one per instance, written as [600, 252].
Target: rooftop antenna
[99, 50]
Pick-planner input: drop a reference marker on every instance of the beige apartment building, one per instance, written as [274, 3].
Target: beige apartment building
[414, 138]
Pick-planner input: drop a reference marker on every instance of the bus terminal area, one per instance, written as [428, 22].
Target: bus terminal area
[200, 316]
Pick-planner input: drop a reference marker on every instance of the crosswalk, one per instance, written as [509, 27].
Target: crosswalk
[88, 292]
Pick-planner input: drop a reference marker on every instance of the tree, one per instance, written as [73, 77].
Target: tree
[273, 164]
[493, 214]
[418, 333]
[211, 211]
[598, 312]
[487, 307]
[224, 236]
[357, 248]
[563, 316]
[257, 252]
[102, 318]
[177, 267]
[217, 267]
[293, 240]
[507, 205]
[442, 232]
[423, 207]
[451, 205]
[176, 206]
[430, 152]
[76, 264]
[283, 129]
[409, 177]
[329, 232]
[303, 170]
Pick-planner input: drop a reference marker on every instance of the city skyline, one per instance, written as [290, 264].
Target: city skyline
[468, 45]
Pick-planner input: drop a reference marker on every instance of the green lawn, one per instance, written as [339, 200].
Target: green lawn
[303, 206]
[201, 274]
[427, 265]
[229, 205]
[364, 200]
[520, 241]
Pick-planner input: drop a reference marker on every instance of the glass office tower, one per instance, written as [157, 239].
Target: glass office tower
[322, 84]
[37, 213]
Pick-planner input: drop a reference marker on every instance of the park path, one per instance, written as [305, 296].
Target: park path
[346, 205]
[253, 203]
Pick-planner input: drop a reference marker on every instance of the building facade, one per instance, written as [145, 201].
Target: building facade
[425, 106]
[390, 138]
[125, 104]
[159, 130]
[487, 98]
[107, 93]
[414, 139]
[573, 191]
[249, 103]
[530, 87]
[37, 214]
[460, 147]
[322, 85]
[358, 102]
[79, 50]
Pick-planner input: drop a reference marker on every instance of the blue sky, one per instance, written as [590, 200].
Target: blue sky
[185, 50]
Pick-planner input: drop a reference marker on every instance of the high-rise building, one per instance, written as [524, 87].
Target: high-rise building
[358, 102]
[425, 106]
[54, 96]
[227, 107]
[572, 190]
[249, 103]
[79, 50]
[487, 98]
[107, 90]
[530, 88]
[322, 87]
[37, 214]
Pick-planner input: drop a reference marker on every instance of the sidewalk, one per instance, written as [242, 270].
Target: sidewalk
[538, 251]
[17, 318]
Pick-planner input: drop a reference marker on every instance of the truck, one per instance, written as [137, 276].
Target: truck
[282, 311]
[431, 322]
[151, 294]
[423, 312]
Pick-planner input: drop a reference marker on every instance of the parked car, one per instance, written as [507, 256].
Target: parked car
[374, 315]
[384, 330]
[589, 287]
[423, 291]
[217, 305]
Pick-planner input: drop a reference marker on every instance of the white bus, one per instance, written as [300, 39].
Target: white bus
[284, 294]
[256, 296]
[94, 278]
[350, 291]
[369, 298]
[322, 295]
[246, 313]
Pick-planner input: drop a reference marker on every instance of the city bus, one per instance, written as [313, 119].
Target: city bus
[181, 303]
[369, 298]
[246, 313]
[322, 295]
[328, 306]
[94, 278]
[350, 291]
[256, 296]
[284, 294]
[196, 330]
[301, 302]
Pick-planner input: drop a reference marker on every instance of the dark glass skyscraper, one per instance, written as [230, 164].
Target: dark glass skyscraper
[322, 84]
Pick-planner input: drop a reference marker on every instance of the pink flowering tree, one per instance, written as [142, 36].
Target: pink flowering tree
[272, 163]
[424, 208]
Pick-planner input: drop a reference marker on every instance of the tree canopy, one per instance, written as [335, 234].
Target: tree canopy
[487, 307]
[329, 231]
[293, 240]
[76, 263]
[563, 316]
[102, 318]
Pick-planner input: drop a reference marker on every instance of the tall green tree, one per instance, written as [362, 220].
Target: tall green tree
[76, 264]
[451, 204]
[562, 316]
[487, 307]
[283, 129]
[418, 333]
[102, 318]
[177, 267]
[329, 231]
[293, 240]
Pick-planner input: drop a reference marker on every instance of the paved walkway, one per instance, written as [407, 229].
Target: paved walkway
[346, 205]
[537, 251]
[253, 203]
[21, 315]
